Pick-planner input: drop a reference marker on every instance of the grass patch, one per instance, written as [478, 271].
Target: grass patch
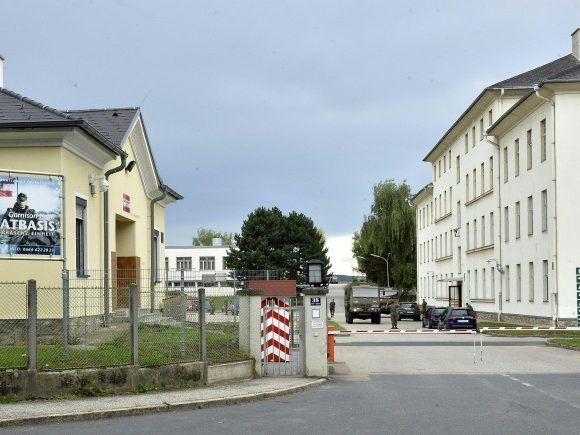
[544, 334]
[485, 323]
[158, 345]
[337, 326]
[568, 343]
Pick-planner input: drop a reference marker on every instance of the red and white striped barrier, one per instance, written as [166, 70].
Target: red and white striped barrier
[530, 328]
[403, 331]
[275, 322]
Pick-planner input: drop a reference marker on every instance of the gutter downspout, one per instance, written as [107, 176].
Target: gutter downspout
[500, 298]
[555, 316]
[106, 268]
[153, 276]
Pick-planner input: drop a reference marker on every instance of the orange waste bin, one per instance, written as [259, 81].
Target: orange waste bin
[330, 344]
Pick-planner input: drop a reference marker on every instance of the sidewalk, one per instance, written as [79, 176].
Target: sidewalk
[45, 411]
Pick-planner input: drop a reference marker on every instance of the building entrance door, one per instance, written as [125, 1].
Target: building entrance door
[455, 299]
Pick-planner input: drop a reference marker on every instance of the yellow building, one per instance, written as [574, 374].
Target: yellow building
[79, 191]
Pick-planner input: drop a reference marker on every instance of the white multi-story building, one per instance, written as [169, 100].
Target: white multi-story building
[496, 227]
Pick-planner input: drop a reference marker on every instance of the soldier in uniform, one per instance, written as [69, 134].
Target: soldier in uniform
[332, 308]
[424, 308]
[394, 314]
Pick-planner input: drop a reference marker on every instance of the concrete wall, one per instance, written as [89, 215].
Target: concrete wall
[231, 371]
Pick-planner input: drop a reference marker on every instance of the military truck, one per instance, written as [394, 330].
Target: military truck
[362, 302]
[388, 296]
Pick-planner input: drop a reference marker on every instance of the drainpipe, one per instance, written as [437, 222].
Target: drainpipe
[555, 316]
[152, 236]
[106, 269]
[500, 298]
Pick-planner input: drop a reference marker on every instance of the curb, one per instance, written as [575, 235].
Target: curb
[562, 346]
[176, 406]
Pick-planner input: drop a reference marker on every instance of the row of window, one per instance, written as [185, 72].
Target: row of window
[479, 239]
[472, 191]
[440, 246]
[439, 207]
[529, 153]
[530, 220]
[185, 263]
[445, 161]
[479, 288]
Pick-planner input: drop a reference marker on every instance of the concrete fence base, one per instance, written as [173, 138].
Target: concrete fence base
[28, 384]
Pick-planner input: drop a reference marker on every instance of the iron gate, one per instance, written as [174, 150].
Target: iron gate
[282, 337]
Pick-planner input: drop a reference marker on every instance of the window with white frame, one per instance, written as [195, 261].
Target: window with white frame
[81, 236]
[475, 233]
[482, 175]
[506, 218]
[469, 281]
[206, 263]
[492, 282]
[483, 284]
[545, 280]
[481, 129]
[467, 236]
[530, 215]
[446, 246]
[466, 143]
[458, 168]
[475, 284]
[483, 231]
[445, 202]
[543, 140]
[475, 183]
[507, 283]
[466, 187]
[516, 157]
[490, 117]
[458, 214]
[473, 136]
[183, 263]
[449, 159]
[459, 259]
[518, 282]
[530, 149]
[518, 219]
[531, 281]
[544, 210]
[444, 164]
[505, 164]
[491, 173]
[491, 229]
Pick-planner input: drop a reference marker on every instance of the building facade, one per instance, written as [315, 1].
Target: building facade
[79, 192]
[495, 227]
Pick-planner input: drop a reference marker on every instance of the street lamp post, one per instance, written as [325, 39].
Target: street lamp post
[386, 260]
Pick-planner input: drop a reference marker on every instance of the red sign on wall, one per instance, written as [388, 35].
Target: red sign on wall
[126, 203]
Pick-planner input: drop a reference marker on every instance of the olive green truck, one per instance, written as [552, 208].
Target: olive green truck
[367, 302]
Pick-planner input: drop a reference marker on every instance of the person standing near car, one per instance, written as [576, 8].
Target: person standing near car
[394, 314]
[332, 307]
[424, 307]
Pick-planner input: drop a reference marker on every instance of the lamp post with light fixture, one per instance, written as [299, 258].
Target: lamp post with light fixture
[386, 260]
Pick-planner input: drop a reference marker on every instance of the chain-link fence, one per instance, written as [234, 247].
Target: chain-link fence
[13, 325]
[86, 322]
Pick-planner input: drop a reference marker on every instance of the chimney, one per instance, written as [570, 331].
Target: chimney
[576, 43]
[217, 241]
[1, 71]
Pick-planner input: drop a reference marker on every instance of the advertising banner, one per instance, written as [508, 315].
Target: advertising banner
[30, 215]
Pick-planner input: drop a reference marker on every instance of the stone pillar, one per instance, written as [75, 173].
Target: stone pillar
[315, 332]
[250, 325]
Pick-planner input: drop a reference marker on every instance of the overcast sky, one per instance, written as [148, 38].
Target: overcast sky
[302, 105]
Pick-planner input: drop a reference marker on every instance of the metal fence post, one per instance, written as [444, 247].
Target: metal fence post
[31, 323]
[202, 337]
[65, 310]
[134, 323]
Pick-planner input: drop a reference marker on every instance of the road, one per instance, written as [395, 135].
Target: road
[395, 384]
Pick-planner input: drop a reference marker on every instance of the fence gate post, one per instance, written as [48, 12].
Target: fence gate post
[134, 333]
[65, 310]
[31, 324]
[202, 337]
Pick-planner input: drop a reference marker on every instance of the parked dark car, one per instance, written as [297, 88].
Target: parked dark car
[431, 318]
[409, 310]
[457, 318]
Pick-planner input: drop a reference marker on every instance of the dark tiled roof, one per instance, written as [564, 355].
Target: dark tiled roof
[111, 123]
[16, 108]
[541, 74]
[571, 75]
